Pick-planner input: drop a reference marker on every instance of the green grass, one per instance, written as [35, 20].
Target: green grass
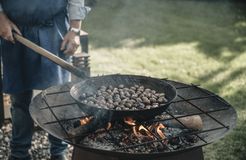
[190, 41]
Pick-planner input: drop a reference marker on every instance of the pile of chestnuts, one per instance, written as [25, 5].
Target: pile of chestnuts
[136, 97]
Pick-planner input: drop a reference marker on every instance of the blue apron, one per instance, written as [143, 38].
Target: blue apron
[44, 22]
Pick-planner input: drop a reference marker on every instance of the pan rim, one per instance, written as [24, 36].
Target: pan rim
[73, 95]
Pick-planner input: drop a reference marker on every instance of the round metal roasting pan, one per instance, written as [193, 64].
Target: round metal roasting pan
[91, 85]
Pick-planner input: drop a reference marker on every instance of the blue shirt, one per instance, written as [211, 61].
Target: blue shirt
[76, 9]
[23, 69]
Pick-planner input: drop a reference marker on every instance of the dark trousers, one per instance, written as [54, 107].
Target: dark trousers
[22, 128]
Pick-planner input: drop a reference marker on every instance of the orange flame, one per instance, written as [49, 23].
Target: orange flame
[129, 121]
[159, 131]
[85, 120]
[141, 131]
[144, 131]
[136, 133]
[109, 126]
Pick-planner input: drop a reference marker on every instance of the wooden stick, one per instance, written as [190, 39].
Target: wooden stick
[191, 122]
[64, 64]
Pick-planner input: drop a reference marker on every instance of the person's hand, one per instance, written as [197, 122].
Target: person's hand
[6, 28]
[70, 43]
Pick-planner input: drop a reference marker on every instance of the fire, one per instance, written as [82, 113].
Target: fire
[141, 131]
[85, 120]
[129, 121]
[144, 131]
[159, 131]
[136, 133]
[138, 130]
[109, 126]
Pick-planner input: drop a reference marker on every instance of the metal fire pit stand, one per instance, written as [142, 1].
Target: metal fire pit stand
[54, 108]
[195, 154]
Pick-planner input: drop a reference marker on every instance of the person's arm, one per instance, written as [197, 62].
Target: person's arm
[7, 26]
[77, 12]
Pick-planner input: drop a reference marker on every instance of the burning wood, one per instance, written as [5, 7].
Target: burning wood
[109, 125]
[86, 125]
[139, 131]
[129, 121]
[154, 131]
[145, 138]
[159, 131]
[142, 132]
[85, 120]
[191, 122]
[162, 135]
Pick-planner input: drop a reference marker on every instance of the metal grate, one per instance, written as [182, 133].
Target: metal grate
[218, 116]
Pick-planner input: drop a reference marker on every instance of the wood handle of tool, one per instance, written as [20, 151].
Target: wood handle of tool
[64, 64]
[192, 122]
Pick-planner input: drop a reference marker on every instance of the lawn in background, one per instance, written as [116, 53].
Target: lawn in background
[201, 42]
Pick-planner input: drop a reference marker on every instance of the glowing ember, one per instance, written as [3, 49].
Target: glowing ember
[136, 133]
[109, 126]
[144, 131]
[141, 131]
[129, 121]
[159, 130]
[85, 120]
